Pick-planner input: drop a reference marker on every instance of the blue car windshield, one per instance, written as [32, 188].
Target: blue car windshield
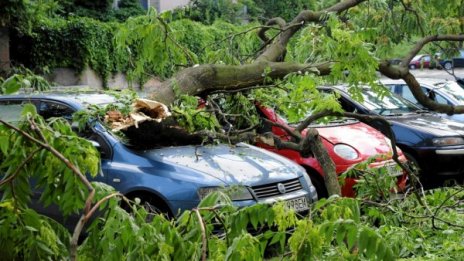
[387, 105]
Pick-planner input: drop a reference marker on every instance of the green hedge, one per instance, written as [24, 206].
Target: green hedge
[136, 47]
[74, 43]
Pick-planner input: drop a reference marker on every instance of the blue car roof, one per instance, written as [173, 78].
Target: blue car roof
[77, 100]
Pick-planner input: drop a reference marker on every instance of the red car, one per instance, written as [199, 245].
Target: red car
[420, 61]
[348, 142]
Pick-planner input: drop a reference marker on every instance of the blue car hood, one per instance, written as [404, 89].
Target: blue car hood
[240, 164]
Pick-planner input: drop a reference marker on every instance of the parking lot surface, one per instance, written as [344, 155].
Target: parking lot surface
[434, 73]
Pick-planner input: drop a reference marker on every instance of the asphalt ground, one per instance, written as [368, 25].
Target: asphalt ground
[438, 74]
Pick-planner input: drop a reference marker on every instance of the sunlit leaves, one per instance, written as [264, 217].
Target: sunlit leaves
[149, 43]
[25, 161]
[26, 234]
[28, 81]
[297, 97]
[191, 117]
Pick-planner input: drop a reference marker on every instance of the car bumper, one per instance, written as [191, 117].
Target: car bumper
[294, 200]
[402, 177]
[441, 161]
[450, 152]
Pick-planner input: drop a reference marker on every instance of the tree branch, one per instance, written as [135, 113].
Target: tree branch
[422, 42]
[203, 234]
[18, 169]
[269, 25]
[56, 153]
[278, 47]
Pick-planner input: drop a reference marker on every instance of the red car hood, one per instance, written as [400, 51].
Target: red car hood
[362, 137]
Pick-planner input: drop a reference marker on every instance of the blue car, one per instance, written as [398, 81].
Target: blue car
[433, 143]
[457, 61]
[173, 179]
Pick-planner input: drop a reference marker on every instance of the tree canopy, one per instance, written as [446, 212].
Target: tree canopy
[347, 41]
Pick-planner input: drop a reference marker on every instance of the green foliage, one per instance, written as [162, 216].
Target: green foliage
[287, 9]
[219, 43]
[208, 11]
[126, 9]
[55, 178]
[101, 10]
[22, 15]
[24, 233]
[28, 81]
[74, 43]
[188, 114]
[148, 43]
[336, 228]
[240, 110]
[297, 97]
[155, 47]
[28, 235]
[374, 183]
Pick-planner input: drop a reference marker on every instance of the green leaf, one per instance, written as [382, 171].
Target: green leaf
[351, 236]
[4, 143]
[11, 85]
[29, 109]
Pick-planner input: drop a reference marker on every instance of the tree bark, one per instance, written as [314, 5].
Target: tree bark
[328, 166]
[216, 77]
[4, 49]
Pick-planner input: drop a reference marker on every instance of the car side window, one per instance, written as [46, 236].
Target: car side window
[440, 99]
[50, 109]
[10, 111]
[53, 109]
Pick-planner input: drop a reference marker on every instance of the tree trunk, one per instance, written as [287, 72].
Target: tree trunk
[4, 49]
[328, 166]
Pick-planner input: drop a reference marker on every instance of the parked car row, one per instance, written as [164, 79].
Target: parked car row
[437, 61]
[173, 179]
[430, 141]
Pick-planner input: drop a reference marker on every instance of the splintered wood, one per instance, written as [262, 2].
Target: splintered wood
[143, 110]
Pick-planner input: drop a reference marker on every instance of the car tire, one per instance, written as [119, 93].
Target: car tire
[448, 66]
[414, 164]
[318, 183]
[412, 66]
[151, 205]
[153, 210]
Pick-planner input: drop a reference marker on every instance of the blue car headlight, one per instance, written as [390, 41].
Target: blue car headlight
[448, 141]
[346, 152]
[235, 193]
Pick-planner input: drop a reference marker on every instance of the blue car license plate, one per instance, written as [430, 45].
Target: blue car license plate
[297, 204]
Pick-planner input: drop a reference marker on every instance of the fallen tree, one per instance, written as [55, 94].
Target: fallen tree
[354, 47]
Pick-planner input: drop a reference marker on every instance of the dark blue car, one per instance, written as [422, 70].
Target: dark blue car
[173, 179]
[433, 143]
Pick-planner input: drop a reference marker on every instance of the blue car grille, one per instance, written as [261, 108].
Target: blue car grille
[271, 190]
